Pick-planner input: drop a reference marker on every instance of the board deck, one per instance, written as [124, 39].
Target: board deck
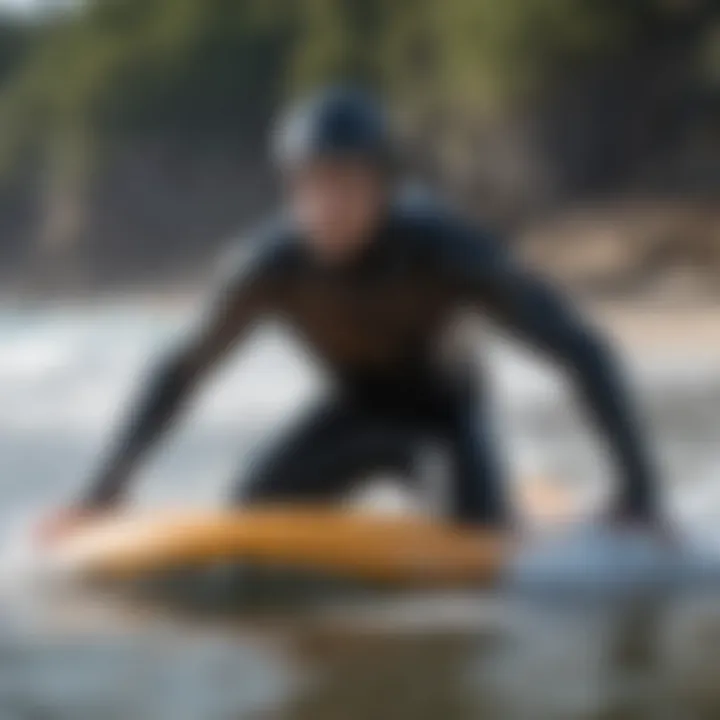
[354, 545]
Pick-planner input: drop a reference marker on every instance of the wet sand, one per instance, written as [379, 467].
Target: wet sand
[693, 329]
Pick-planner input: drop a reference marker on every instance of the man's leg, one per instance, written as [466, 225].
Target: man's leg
[478, 476]
[331, 448]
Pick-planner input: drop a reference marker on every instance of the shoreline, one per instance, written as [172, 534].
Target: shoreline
[687, 326]
[677, 329]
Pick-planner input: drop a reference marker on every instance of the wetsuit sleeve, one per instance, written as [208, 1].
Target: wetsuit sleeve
[538, 314]
[241, 296]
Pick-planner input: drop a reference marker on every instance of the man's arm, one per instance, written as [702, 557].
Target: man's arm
[241, 299]
[540, 315]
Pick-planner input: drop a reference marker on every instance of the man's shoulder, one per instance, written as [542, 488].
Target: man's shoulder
[431, 224]
[270, 246]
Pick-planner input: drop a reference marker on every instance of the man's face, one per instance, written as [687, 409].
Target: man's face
[337, 204]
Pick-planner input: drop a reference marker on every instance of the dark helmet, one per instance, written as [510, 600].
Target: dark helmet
[333, 123]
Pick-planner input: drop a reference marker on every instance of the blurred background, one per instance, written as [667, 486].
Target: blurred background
[133, 141]
[134, 131]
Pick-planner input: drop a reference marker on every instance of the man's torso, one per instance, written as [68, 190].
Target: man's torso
[386, 314]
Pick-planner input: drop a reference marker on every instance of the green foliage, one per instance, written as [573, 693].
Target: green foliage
[710, 57]
[128, 66]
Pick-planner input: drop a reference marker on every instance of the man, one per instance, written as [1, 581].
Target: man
[373, 285]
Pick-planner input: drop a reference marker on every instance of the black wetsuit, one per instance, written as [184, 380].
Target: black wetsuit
[378, 324]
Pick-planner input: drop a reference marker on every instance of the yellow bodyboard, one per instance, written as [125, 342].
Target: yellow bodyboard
[353, 545]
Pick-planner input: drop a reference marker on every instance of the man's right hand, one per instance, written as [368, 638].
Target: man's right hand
[61, 523]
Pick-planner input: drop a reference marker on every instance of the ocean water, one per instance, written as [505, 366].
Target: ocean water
[65, 375]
